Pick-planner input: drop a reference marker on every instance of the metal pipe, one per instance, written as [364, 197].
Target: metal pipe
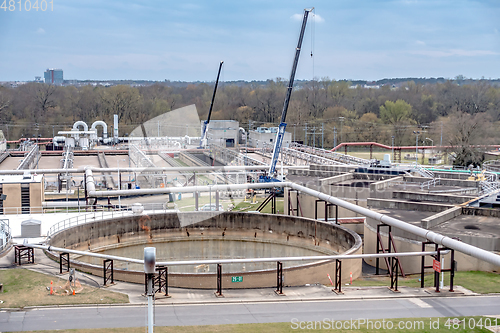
[150, 303]
[84, 253]
[90, 185]
[126, 169]
[235, 261]
[188, 189]
[424, 233]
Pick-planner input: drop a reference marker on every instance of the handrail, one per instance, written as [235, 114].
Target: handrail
[103, 214]
[5, 230]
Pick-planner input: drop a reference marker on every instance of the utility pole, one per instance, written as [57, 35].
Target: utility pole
[393, 159]
[416, 146]
[334, 137]
[314, 137]
[441, 142]
[341, 123]
[322, 136]
[305, 135]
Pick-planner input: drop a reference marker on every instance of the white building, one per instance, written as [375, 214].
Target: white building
[264, 137]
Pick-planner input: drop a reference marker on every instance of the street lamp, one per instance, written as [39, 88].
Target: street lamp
[417, 133]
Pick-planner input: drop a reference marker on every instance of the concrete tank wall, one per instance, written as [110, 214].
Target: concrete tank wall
[406, 242]
[147, 230]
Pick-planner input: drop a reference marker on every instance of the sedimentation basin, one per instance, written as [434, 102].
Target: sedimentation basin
[214, 235]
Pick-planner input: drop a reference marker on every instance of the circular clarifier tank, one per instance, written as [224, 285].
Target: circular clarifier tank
[210, 236]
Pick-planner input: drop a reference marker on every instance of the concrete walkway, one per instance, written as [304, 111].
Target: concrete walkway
[314, 292]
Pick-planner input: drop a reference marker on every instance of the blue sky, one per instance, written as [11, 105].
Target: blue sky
[157, 40]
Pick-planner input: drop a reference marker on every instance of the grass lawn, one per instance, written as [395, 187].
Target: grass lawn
[248, 206]
[23, 287]
[479, 282]
[187, 204]
[439, 325]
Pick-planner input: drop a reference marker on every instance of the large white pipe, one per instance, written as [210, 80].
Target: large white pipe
[90, 183]
[424, 233]
[82, 123]
[104, 128]
[235, 261]
[188, 189]
[155, 169]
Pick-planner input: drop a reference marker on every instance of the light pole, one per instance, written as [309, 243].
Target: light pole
[417, 133]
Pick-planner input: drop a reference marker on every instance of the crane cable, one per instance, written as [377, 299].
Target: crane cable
[313, 25]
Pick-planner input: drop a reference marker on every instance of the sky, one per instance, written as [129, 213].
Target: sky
[256, 39]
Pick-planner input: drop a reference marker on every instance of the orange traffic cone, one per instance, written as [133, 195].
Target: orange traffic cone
[74, 292]
[51, 290]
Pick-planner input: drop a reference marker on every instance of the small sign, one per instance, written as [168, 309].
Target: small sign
[436, 265]
[236, 278]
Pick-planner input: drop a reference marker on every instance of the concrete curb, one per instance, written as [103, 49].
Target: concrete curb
[222, 301]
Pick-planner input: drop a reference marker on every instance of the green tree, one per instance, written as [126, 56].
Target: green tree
[398, 115]
[395, 112]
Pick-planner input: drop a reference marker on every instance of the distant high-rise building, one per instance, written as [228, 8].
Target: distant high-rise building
[53, 76]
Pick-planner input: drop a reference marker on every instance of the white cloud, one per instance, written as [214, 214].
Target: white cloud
[40, 31]
[316, 17]
[419, 42]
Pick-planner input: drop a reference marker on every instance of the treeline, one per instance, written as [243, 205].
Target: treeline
[333, 110]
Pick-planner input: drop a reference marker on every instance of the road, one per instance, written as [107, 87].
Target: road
[238, 313]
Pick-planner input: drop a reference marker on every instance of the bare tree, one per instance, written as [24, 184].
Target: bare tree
[467, 134]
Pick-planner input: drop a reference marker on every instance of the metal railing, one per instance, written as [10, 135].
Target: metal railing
[30, 159]
[433, 182]
[422, 171]
[492, 166]
[104, 213]
[338, 157]
[488, 187]
[5, 233]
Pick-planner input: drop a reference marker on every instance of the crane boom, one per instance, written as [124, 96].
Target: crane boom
[281, 131]
[203, 139]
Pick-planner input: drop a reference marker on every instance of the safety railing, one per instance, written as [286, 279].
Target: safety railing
[104, 213]
[5, 234]
[433, 182]
[342, 158]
